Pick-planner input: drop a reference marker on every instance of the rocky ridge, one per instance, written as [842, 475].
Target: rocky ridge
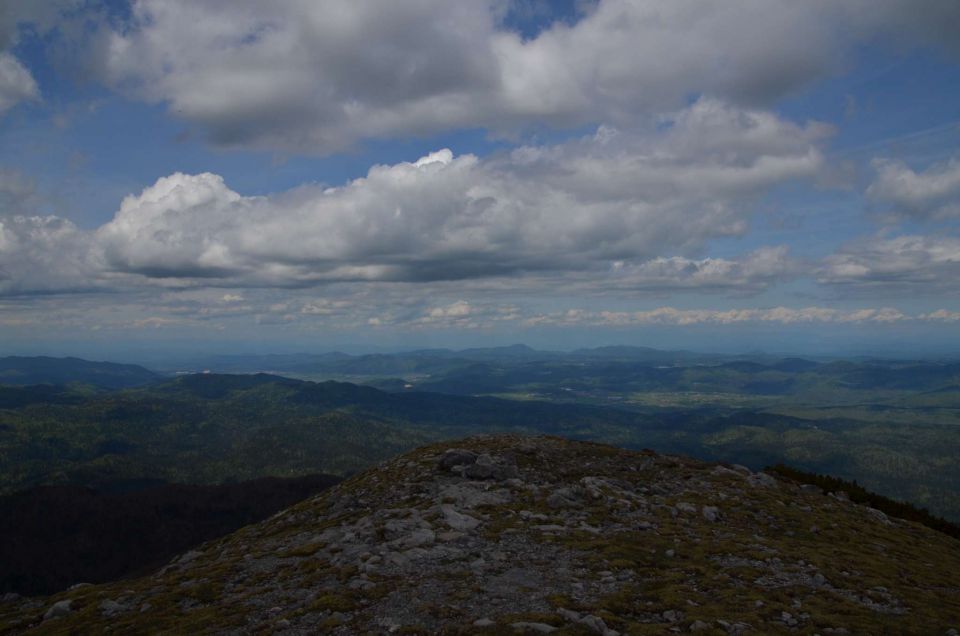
[510, 534]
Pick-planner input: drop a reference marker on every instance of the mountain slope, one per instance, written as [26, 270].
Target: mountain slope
[510, 534]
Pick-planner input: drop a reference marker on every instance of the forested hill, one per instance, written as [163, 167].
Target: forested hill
[207, 428]
[18, 370]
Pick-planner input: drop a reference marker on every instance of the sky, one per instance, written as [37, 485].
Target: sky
[237, 175]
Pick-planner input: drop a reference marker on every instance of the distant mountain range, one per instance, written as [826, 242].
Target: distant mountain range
[433, 360]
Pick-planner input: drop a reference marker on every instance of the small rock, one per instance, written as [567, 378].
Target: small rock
[417, 538]
[189, 556]
[671, 616]
[483, 622]
[762, 480]
[879, 516]
[541, 628]
[711, 513]
[457, 457]
[670, 553]
[457, 520]
[565, 498]
[396, 558]
[550, 528]
[110, 607]
[487, 467]
[60, 608]
[699, 626]
[596, 624]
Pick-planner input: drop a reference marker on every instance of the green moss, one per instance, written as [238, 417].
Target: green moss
[334, 602]
[305, 550]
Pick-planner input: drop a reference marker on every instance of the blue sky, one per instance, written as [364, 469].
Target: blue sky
[307, 176]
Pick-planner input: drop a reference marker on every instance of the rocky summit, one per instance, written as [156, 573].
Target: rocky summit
[510, 534]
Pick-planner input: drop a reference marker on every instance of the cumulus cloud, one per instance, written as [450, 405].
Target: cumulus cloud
[614, 196]
[319, 77]
[933, 193]
[40, 253]
[911, 263]
[628, 210]
[45, 254]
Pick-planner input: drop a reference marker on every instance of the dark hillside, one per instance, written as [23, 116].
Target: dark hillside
[52, 537]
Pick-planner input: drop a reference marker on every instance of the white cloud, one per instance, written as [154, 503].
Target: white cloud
[752, 273]
[40, 253]
[932, 193]
[576, 206]
[911, 263]
[686, 317]
[941, 315]
[16, 83]
[45, 254]
[319, 77]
